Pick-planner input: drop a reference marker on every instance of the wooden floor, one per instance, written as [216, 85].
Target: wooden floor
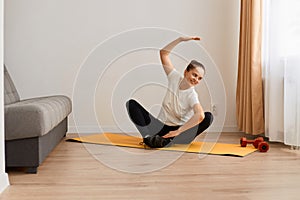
[76, 171]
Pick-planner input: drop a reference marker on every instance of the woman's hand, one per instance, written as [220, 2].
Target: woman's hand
[189, 38]
[171, 134]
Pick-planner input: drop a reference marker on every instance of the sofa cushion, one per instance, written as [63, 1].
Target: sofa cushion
[35, 117]
[10, 92]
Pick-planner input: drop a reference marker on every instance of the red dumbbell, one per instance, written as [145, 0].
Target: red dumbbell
[258, 143]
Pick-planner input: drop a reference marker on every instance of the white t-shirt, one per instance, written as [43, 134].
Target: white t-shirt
[177, 106]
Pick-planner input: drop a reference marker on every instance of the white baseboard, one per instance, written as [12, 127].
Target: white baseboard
[233, 129]
[114, 129]
[4, 182]
[97, 129]
[84, 129]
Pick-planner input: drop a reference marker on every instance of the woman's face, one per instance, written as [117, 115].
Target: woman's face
[194, 76]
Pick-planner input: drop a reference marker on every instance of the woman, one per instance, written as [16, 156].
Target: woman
[181, 118]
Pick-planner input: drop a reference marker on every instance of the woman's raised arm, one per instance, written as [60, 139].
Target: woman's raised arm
[164, 52]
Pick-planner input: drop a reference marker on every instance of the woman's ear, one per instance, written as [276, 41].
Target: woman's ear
[185, 71]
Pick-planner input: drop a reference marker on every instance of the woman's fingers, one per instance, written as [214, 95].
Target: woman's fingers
[196, 38]
[190, 38]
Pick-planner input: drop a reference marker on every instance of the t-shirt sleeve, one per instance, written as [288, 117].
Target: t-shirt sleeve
[173, 75]
[193, 99]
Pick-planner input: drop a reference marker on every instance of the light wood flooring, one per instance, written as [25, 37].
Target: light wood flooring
[76, 171]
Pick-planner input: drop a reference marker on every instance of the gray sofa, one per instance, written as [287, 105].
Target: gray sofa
[33, 127]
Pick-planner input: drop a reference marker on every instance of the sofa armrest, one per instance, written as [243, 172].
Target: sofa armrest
[35, 117]
[23, 121]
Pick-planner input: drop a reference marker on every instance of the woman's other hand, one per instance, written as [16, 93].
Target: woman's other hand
[190, 38]
[171, 134]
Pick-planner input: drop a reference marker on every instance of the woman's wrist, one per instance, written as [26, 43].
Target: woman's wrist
[181, 39]
[179, 130]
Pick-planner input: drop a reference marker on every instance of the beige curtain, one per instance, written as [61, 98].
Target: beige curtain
[249, 93]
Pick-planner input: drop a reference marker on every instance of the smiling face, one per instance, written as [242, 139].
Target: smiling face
[194, 75]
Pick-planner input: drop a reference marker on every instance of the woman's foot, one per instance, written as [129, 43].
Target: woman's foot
[156, 141]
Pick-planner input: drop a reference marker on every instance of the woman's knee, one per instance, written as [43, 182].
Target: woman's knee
[131, 103]
[208, 117]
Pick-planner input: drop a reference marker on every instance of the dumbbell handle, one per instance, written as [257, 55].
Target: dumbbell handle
[255, 142]
[250, 141]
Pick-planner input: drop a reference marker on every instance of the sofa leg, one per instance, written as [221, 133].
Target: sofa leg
[31, 170]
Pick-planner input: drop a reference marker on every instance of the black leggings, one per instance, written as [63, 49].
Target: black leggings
[148, 125]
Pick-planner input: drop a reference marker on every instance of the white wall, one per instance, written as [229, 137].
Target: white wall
[65, 46]
[3, 176]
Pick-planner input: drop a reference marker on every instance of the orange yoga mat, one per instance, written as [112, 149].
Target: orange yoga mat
[194, 147]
